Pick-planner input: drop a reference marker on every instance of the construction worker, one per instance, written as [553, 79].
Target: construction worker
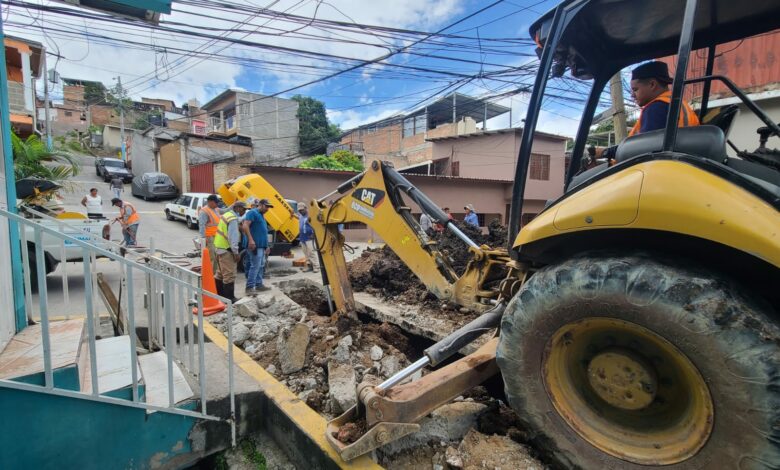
[255, 229]
[129, 219]
[226, 243]
[208, 220]
[471, 215]
[426, 224]
[306, 237]
[650, 89]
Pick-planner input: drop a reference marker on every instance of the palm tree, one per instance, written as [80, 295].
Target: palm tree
[33, 160]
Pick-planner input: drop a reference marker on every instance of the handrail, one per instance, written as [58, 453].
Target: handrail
[180, 291]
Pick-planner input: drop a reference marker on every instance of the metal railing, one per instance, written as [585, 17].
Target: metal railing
[172, 296]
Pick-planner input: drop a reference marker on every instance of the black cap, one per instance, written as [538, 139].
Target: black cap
[657, 70]
[212, 197]
[265, 202]
[115, 200]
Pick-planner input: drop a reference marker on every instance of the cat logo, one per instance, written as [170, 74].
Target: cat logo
[369, 197]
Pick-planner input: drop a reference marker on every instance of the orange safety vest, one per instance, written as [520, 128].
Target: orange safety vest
[213, 222]
[134, 218]
[687, 116]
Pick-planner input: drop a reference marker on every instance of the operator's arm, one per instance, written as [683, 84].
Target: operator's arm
[84, 201]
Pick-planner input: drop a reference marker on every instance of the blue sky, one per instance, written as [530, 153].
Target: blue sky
[157, 65]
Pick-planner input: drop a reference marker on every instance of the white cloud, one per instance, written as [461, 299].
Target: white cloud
[203, 79]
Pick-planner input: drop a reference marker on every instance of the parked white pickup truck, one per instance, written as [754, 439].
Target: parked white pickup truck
[93, 231]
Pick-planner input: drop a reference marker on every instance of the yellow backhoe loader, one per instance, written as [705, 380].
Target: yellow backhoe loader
[638, 313]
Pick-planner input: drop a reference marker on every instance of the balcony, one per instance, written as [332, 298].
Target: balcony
[226, 126]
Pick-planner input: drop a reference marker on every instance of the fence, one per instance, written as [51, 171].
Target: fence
[172, 297]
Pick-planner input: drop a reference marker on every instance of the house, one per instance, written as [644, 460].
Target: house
[269, 123]
[24, 65]
[190, 160]
[492, 155]
[403, 139]
[753, 67]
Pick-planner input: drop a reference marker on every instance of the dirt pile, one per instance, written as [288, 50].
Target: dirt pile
[380, 272]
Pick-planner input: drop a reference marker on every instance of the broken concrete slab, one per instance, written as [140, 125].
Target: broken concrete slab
[240, 334]
[246, 307]
[342, 385]
[376, 353]
[291, 345]
[448, 423]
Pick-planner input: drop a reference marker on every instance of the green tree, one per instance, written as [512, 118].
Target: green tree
[315, 131]
[94, 92]
[343, 160]
[33, 159]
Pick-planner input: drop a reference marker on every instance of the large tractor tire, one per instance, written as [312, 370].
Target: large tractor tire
[628, 362]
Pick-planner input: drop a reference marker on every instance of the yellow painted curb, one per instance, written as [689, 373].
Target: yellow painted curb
[307, 420]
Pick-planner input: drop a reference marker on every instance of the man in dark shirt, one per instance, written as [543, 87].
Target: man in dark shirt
[650, 89]
[256, 230]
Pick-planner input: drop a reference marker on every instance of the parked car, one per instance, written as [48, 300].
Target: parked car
[108, 168]
[154, 186]
[186, 206]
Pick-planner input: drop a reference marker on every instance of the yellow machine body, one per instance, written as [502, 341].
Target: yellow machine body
[670, 196]
[281, 217]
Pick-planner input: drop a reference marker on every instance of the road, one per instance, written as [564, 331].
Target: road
[170, 236]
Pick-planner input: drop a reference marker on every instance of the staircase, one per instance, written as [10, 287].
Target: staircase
[22, 361]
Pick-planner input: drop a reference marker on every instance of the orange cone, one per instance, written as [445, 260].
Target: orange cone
[210, 304]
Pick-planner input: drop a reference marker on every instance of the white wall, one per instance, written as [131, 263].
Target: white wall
[743, 131]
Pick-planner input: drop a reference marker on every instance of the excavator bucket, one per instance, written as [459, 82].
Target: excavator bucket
[379, 435]
[281, 217]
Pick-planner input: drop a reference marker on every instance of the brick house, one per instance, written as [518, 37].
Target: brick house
[24, 65]
[269, 123]
[404, 139]
[492, 155]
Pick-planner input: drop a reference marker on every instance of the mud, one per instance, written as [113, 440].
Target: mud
[351, 432]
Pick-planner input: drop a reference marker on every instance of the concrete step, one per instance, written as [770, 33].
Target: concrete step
[22, 358]
[114, 368]
[155, 372]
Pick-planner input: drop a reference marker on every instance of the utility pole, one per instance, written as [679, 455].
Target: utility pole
[121, 93]
[618, 108]
[46, 103]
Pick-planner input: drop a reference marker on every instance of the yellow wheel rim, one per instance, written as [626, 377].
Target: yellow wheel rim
[627, 391]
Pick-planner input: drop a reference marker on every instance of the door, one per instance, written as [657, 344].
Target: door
[7, 320]
[202, 178]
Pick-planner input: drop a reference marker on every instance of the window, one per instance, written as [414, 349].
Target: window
[195, 203]
[408, 127]
[371, 130]
[455, 168]
[566, 162]
[481, 220]
[68, 113]
[415, 125]
[420, 124]
[243, 108]
[540, 167]
[186, 200]
[525, 218]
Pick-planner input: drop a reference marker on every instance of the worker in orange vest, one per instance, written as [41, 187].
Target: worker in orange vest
[650, 89]
[129, 219]
[208, 220]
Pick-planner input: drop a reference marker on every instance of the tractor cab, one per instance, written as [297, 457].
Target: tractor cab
[593, 40]
[583, 44]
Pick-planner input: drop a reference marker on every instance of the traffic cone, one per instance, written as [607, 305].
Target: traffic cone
[210, 304]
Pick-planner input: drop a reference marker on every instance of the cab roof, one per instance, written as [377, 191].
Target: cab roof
[607, 35]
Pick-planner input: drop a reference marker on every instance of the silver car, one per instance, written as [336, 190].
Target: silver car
[154, 186]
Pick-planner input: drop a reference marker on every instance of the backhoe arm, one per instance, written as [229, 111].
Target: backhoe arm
[374, 199]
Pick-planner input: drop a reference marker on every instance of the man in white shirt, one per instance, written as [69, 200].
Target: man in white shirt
[94, 204]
